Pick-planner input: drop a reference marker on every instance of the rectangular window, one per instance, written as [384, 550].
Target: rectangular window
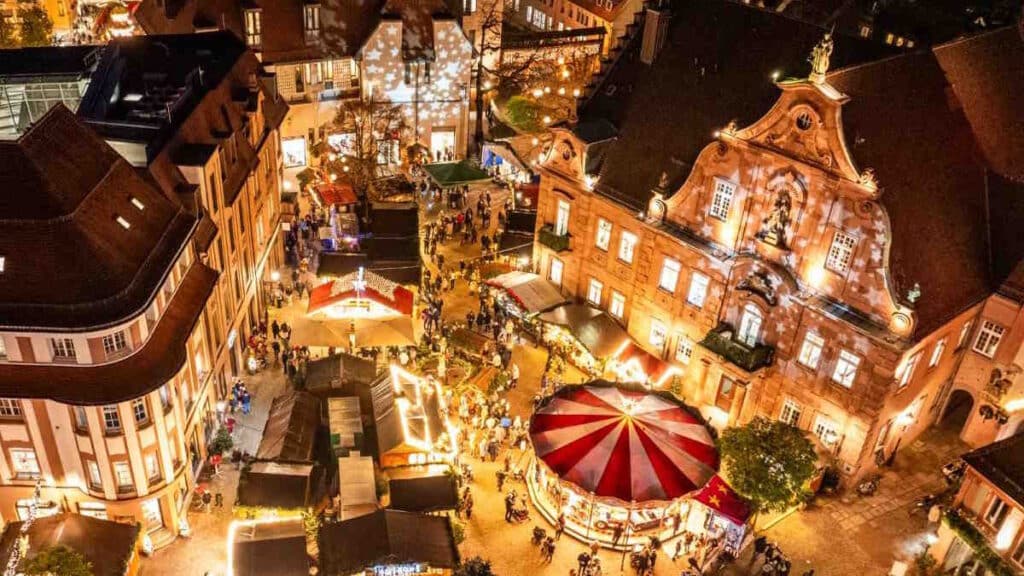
[123, 476]
[698, 292]
[114, 344]
[140, 411]
[810, 351]
[468, 6]
[617, 306]
[684, 350]
[10, 408]
[294, 151]
[555, 272]
[826, 429]
[987, 340]
[908, 370]
[253, 28]
[1018, 554]
[93, 509]
[790, 413]
[153, 469]
[562, 219]
[311, 14]
[996, 513]
[840, 254]
[726, 392]
[62, 348]
[627, 246]
[658, 334]
[604, 234]
[669, 275]
[165, 398]
[94, 473]
[111, 419]
[937, 351]
[594, 290]
[24, 463]
[721, 201]
[846, 368]
[964, 333]
[81, 418]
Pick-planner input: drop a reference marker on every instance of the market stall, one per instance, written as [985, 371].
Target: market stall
[411, 421]
[388, 543]
[588, 336]
[525, 294]
[631, 363]
[618, 462]
[724, 513]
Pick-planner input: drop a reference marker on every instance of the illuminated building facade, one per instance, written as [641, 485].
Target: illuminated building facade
[137, 233]
[775, 235]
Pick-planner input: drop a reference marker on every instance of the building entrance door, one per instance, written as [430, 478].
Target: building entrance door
[442, 145]
[152, 516]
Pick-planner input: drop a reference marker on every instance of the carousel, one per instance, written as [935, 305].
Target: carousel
[621, 465]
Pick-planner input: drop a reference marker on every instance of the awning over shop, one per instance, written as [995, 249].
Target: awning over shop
[639, 365]
[336, 193]
[360, 294]
[291, 428]
[448, 174]
[598, 332]
[720, 497]
[386, 537]
[531, 292]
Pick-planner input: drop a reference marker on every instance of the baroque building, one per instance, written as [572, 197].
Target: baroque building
[137, 235]
[809, 245]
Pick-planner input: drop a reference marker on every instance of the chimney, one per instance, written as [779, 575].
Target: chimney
[655, 32]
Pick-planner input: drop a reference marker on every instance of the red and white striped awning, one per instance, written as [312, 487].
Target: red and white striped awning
[621, 443]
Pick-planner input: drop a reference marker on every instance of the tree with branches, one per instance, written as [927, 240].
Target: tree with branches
[57, 561]
[8, 33]
[372, 131]
[36, 26]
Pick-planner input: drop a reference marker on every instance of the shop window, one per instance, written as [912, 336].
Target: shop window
[840, 254]
[24, 463]
[987, 340]
[658, 334]
[810, 351]
[594, 290]
[684, 350]
[555, 272]
[846, 368]
[750, 325]
[937, 351]
[10, 408]
[294, 151]
[669, 276]
[721, 200]
[617, 305]
[627, 247]
[604, 234]
[698, 292]
[790, 413]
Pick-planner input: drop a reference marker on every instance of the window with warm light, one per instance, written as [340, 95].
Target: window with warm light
[698, 292]
[937, 351]
[24, 463]
[253, 28]
[810, 350]
[669, 276]
[987, 340]
[790, 413]
[965, 331]
[721, 200]
[617, 305]
[153, 469]
[845, 371]
[840, 254]
[750, 325]
[604, 234]
[658, 333]
[594, 290]
[122, 222]
[826, 429]
[908, 370]
[81, 418]
[555, 272]
[996, 514]
[95, 479]
[311, 20]
[137, 203]
[562, 219]
[123, 476]
[627, 247]
[684, 350]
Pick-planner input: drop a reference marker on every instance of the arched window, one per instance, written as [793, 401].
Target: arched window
[750, 325]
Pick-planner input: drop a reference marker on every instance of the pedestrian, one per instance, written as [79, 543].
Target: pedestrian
[560, 526]
[469, 506]
[275, 329]
[617, 534]
[679, 550]
[207, 498]
[549, 549]
[500, 476]
[514, 379]
[218, 500]
[583, 560]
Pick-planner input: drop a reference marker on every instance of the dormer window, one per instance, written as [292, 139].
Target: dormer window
[311, 19]
[124, 223]
[253, 28]
[138, 203]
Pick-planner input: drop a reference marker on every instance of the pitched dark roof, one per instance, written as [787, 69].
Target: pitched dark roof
[290, 431]
[932, 180]
[63, 189]
[386, 537]
[417, 18]
[1003, 464]
[343, 374]
[416, 490]
[131, 377]
[716, 66]
[108, 546]
[276, 548]
[280, 485]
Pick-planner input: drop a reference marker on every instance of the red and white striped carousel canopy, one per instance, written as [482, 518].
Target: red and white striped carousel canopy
[627, 444]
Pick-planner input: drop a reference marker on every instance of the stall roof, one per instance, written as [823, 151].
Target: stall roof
[344, 418]
[447, 174]
[720, 497]
[533, 293]
[420, 489]
[109, 546]
[386, 537]
[390, 263]
[655, 368]
[598, 332]
[279, 485]
[291, 428]
[343, 373]
[277, 548]
[336, 193]
[357, 486]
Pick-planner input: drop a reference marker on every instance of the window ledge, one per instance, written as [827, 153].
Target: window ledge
[110, 433]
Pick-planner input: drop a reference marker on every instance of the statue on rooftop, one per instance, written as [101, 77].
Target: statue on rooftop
[820, 56]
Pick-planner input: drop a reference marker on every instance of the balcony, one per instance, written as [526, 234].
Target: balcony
[720, 341]
[556, 242]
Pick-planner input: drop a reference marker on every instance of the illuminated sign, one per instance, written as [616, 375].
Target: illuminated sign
[398, 569]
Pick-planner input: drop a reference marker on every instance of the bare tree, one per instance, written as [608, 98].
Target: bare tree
[372, 132]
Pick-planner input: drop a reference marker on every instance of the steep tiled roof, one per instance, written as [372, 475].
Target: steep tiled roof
[1003, 464]
[64, 188]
